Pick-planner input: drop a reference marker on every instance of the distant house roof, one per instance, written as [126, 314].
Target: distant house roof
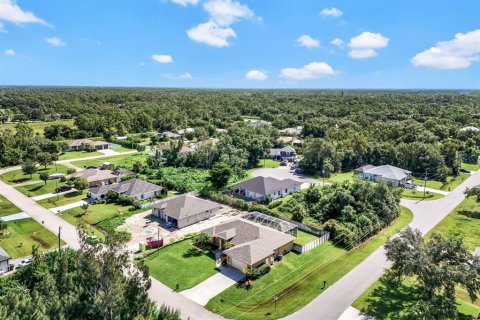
[186, 130]
[285, 139]
[298, 142]
[122, 172]
[389, 172]
[92, 175]
[252, 241]
[470, 128]
[292, 131]
[184, 206]
[4, 255]
[266, 185]
[365, 167]
[278, 151]
[169, 134]
[257, 123]
[79, 142]
[130, 188]
[219, 130]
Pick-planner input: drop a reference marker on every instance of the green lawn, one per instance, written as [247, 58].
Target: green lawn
[452, 182]
[39, 126]
[304, 237]
[470, 166]
[23, 234]
[73, 219]
[78, 154]
[98, 212]
[170, 265]
[463, 221]
[125, 160]
[62, 199]
[17, 176]
[7, 208]
[262, 163]
[340, 177]
[418, 195]
[40, 188]
[298, 278]
[122, 149]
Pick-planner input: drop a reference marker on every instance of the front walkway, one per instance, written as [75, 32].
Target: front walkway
[50, 195]
[420, 189]
[69, 206]
[214, 285]
[16, 216]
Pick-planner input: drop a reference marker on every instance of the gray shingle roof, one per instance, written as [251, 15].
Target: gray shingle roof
[130, 188]
[266, 185]
[92, 175]
[185, 205]
[4, 255]
[389, 172]
[252, 241]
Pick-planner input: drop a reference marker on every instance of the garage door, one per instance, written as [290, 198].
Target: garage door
[238, 264]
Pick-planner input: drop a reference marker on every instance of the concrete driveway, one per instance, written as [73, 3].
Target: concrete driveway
[285, 173]
[214, 285]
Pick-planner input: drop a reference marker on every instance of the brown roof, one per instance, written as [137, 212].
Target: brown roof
[92, 175]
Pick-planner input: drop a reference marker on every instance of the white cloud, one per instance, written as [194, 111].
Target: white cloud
[2, 28]
[226, 12]
[256, 75]
[10, 52]
[306, 41]
[311, 71]
[11, 12]
[142, 64]
[331, 12]
[186, 76]
[162, 58]
[364, 45]
[185, 2]
[183, 76]
[458, 53]
[337, 42]
[212, 34]
[55, 41]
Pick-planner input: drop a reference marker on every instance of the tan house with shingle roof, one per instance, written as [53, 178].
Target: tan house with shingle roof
[253, 243]
[80, 144]
[96, 177]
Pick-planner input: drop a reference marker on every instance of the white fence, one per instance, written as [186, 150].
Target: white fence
[312, 244]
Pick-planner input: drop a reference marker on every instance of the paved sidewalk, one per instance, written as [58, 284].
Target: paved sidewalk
[420, 189]
[50, 195]
[16, 216]
[214, 285]
[68, 206]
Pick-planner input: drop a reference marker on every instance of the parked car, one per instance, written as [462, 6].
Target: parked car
[283, 163]
[465, 170]
[298, 170]
[410, 185]
[24, 263]
[63, 189]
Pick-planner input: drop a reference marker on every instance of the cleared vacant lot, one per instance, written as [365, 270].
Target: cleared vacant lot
[125, 160]
[78, 154]
[40, 188]
[7, 208]
[38, 127]
[17, 176]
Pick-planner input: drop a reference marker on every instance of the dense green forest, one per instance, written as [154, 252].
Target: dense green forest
[419, 130]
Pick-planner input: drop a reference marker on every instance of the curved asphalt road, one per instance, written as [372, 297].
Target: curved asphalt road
[336, 299]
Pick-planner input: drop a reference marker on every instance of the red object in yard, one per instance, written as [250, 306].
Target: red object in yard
[154, 242]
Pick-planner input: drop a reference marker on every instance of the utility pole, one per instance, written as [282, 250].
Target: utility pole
[158, 240]
[323, 175]
[425, 184]
[275, 298]
[59, 239]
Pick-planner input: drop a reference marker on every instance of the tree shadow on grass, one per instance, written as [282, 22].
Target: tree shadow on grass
[470, 214]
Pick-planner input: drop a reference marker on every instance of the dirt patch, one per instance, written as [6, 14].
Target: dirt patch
[40, 241]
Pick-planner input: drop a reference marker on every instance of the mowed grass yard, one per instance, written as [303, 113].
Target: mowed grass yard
[38, 127]
[304, 237]
[125, 161]
[17, 176]
[449, 185]
[470, 166]
[171, 265]
[298, 278]
[78, 154]
[464, 221]
[22, 234]
[340, 177]
[63, 199]
[7, 208]
[418, 195]
[262, 163]
[32, 190]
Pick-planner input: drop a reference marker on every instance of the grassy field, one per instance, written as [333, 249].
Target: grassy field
[450, 184]
[62, 199]
[78, 154]
[39, 126]
[340, 177]
[122, 149]
[98, 212]
[298, 278]
[40, 188]
[17, 176]
[418, 195]
[470, 166]
[7, 208]
[172, 265]
[304, 237]
[262, 163]
[464, 221]
[125, 160]
[22, 234]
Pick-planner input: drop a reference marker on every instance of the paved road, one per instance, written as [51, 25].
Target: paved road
[332, 302]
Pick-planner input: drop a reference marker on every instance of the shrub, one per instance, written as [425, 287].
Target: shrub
[63, 179]
[255, 273]
[201, 240]
[71, 170]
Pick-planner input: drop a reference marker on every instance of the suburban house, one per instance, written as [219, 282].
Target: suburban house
[292, 131]
[96, 177]
[253, 244]
[396, 176]
[286, 153]
[185, 131]
[259, 188]
[4, 260]
[134, 189]
[285, 139]
[81, 144]
[161, 149]
[184, 210]
[169, 135]
[120, 172]
[470, 128]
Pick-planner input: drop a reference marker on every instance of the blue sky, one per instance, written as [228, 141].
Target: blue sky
[241, 44]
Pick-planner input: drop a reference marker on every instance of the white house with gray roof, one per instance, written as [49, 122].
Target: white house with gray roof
[4, 259]
[259, 188]
[134, 189]
[253, 243]
[394, 175]
[185, 210]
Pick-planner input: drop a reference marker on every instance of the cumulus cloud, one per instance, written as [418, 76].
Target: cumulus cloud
[363, 46]
[217, 31]
[55, 41]
[2, 28]
[306, 41]
[212, 34]
[185, 2]
[337, 42]
[162, 58]
[183, 76]
[458, 53]
[11, 12]
[186, 76]
[10, 52]
[257, 75]
[331, 12]
[311, 71]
